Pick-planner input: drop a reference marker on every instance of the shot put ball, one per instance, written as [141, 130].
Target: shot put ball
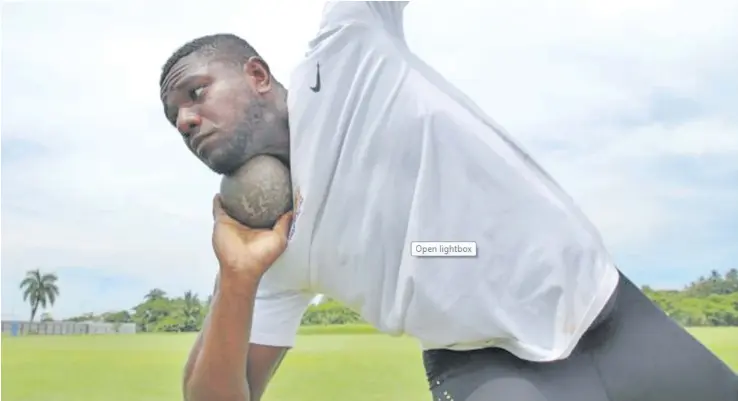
[258, 192]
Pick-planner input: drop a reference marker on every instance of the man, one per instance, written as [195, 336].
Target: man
[384, 151]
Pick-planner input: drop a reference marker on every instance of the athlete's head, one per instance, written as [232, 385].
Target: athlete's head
[222, 98]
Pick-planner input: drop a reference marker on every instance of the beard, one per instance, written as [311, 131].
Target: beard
[263, 130]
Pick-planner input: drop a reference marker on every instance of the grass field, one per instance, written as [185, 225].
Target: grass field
[349, 364]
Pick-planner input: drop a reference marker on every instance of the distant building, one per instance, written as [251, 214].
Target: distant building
[19, 327]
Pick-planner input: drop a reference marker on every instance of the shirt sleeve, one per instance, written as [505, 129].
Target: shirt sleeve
[277, 316]
[381, 15]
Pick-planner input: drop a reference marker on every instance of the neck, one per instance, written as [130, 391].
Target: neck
[280, 99]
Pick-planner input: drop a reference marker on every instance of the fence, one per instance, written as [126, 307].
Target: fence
[17, 327]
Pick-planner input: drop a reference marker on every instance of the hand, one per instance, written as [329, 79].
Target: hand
[243, 251]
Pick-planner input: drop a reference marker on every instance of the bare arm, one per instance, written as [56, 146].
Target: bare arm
[224, 370]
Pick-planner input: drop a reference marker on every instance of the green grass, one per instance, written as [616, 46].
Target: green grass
[335, 363]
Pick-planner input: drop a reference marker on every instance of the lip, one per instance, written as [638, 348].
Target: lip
[198, 140]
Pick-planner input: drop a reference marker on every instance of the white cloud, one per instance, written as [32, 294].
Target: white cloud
[602, 94]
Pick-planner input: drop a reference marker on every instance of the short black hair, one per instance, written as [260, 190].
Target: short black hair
[223, 45]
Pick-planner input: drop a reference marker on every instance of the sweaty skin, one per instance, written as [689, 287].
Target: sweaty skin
[227, 113]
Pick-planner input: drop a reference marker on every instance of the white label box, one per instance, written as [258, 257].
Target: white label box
[443, 249]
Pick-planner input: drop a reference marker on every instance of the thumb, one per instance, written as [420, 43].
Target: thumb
[282, 226]
[218, 211]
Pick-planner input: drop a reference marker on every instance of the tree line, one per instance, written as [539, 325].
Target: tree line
[159, 312]
[708, 301]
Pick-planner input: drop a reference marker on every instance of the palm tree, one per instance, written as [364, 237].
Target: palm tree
[155, 294]
[732, 277]
[191, 311]
[39, 290]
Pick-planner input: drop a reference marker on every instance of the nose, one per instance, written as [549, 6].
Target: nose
[188, 122]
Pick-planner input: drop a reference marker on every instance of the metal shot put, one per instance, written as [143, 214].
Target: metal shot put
[258, 192]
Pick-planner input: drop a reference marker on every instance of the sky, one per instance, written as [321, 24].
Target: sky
[630, 105]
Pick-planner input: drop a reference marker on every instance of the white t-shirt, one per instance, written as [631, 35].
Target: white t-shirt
[384, 152]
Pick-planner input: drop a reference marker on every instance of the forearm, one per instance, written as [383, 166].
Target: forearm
[219, 371]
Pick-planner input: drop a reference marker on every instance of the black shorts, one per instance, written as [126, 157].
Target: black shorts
[634, 352]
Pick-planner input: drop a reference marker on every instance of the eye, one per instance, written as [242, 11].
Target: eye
[196, 93]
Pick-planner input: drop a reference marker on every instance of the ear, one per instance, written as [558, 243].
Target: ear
[258, 75]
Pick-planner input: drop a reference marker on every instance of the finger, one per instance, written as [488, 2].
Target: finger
[217, 207]
[282, 226]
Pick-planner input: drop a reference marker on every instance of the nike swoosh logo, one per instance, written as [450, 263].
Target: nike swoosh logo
[316, 88]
